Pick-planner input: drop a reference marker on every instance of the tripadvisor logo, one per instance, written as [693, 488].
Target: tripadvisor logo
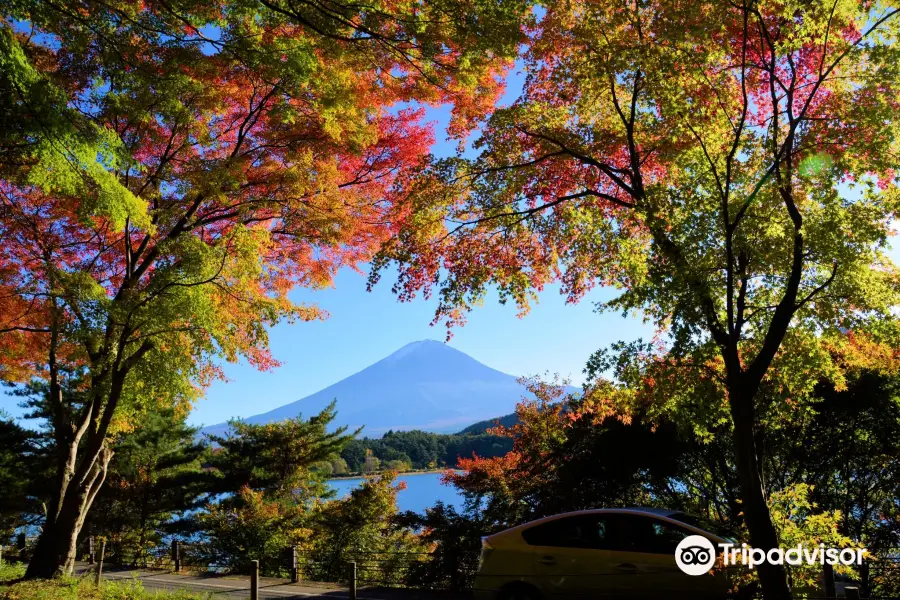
[695, 555]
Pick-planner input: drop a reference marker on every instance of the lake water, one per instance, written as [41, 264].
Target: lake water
[422, 490]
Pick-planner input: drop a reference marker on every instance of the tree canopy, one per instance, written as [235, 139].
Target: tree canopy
[730, 168]
[276, 457]
[831, 473]
[171, 171]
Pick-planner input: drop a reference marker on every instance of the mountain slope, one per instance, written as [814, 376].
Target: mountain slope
[425, 385]
[483, 426]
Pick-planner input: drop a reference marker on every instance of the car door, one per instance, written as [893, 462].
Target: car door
[569, 558]
[644, 548]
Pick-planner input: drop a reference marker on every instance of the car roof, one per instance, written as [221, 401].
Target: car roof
[664, 513]
[640, 510]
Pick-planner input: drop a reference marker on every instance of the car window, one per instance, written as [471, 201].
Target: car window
[618, 532]
[578, 531]
[666, 537]
[635, 533]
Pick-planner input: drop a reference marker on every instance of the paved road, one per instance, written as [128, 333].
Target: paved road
[234, 587]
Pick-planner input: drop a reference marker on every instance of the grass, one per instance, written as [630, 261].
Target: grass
[80, 588]
[10, 572]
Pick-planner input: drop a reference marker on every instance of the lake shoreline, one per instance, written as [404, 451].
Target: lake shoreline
[399, 474]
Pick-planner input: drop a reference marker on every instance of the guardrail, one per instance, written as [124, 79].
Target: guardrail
[351, 568]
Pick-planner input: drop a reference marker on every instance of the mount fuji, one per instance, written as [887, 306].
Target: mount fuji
[424, 385]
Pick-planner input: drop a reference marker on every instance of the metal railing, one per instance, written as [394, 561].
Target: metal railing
[348, 568]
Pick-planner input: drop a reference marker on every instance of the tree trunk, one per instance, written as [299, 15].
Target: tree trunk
[83, 463]
[55, 552]
[773, 578]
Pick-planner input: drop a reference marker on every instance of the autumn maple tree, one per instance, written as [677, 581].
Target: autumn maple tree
[505, 487]
[170, 170]
[729, 166]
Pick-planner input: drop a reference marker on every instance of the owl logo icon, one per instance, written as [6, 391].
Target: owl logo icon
[695, 555]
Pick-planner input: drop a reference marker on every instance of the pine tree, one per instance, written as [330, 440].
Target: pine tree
[156, 476]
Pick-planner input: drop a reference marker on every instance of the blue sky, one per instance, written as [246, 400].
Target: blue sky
[365, 327]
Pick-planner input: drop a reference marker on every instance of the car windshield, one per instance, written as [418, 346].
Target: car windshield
[706, 525]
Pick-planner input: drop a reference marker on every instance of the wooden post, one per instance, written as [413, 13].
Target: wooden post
[352, 578]
[176, 555]
[295, 571]
[865, 578]
[100, 563]
[828, 581]
[91, 550]
[254, 580]
[851, 593]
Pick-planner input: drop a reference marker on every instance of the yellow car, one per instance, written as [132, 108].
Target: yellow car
[602, 553]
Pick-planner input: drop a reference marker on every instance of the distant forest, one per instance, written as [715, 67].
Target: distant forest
[405, 450]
